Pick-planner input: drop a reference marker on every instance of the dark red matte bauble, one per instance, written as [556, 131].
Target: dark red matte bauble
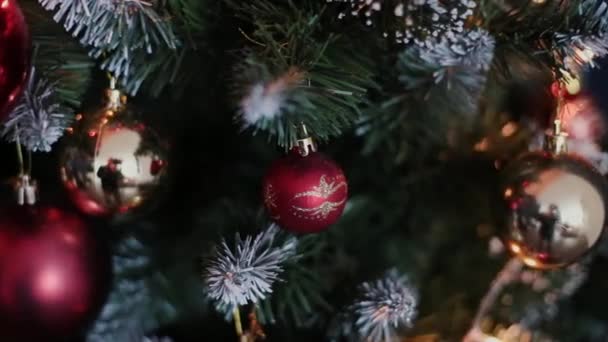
[54, 274]
[305, 194]
[14, 55]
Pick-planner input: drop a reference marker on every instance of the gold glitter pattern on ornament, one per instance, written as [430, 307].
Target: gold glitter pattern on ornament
[323, 211]
[270, 197]
[324, 190]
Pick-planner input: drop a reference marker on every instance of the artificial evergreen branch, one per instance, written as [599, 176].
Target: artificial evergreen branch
[385, 306]
[294, 73]
[584, 36]
[433, 97]
[155, 339]
[472, 48]
[67, 66]
[136, 335]
[418, 23]
[121, 33]
[300, 297]
[246, 274]
[62, 60]
[131, 302]
[38, 120]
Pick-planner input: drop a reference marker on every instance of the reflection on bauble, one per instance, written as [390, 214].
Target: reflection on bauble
[556, 209]
[111, 171]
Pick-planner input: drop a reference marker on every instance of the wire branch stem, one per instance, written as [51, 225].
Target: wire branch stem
[19, 154]
[238, 325]
[251, 39]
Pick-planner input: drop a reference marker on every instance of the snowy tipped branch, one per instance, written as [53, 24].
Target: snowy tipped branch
[246, 273]
[119, 32]
[584, 37]
[385, 305]
[293, 72]
[39, 120]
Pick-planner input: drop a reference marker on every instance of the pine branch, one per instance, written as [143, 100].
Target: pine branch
[412, 22]
[38, 120]
[295, 73]
[564, 35]
[132, 302]
[136, 335]
[121, 33]
[584, 37]
[384, 307]
[246, 274]
[299, 298]
[437, 93]
[60, 59]
[386, 304]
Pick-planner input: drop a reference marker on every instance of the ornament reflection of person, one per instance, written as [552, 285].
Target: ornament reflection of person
[111, 180]
[549, 222]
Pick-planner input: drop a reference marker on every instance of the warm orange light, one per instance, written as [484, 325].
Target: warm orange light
[110, 113]
[482, 145]
[515, 248]
[78, 117]
[508, 192]
[509, 129]
[104, 121]
[530, 262]
[70, 130]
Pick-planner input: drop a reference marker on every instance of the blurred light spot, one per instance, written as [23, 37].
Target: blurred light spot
[509, 129]
[515, 248]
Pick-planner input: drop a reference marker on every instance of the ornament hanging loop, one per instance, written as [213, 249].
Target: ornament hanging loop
[305, 143]
[556, 141]
[115, 99]
[25, 187]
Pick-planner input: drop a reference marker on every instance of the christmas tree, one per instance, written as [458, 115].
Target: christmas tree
[303, 170]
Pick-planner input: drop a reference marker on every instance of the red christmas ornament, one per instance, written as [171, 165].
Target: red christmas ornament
[305, 193]
[14, 55]
[54, 274]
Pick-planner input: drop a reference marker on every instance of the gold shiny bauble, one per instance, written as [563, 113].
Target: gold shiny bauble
[110, 171]
[557, 207]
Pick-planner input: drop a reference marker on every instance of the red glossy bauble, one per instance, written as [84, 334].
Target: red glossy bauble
[14, 55]
[54, 274]
[305, 194]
